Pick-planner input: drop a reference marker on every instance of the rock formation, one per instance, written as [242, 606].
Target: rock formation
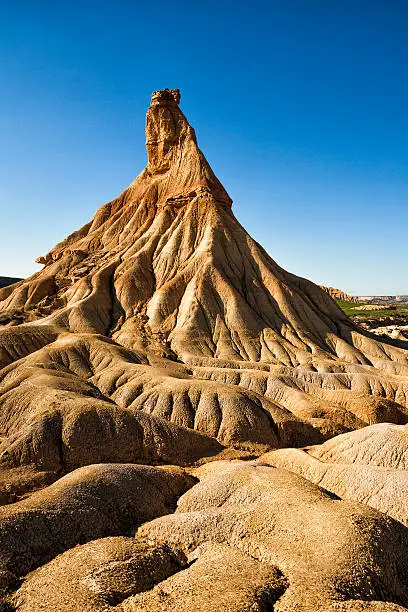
[162, 333]
[338, 294]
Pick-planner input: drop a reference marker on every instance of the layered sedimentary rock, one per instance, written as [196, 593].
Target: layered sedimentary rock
[368, 465]
[162, 333]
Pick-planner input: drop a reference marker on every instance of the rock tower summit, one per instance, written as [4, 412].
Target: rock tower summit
[173, 154]
[164, 97]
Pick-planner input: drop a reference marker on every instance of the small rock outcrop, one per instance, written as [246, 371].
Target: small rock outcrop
[338, 294]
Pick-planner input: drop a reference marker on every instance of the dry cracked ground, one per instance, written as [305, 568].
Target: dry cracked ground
[185, 425]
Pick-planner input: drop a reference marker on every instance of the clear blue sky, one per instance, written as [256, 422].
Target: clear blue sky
[300, 106]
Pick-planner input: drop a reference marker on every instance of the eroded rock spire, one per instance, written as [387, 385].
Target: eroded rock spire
[173, 153]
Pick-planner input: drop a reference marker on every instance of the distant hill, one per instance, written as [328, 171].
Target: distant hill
[338, 294]
[372, 299]
[7, 280]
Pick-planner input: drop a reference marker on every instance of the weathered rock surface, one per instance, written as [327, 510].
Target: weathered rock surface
[132, 575]
[396, 332]
[384, 445]
[92, 502]
[329, 550]
[98, 575]
[161, 333]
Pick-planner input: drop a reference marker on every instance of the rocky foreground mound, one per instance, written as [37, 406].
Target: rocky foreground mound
[160, 333]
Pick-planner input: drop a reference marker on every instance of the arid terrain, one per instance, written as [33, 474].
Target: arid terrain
[185, 426]
[387, 318]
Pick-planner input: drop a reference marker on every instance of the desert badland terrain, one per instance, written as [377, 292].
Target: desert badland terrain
[185, 425]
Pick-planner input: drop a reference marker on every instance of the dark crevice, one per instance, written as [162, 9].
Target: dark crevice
[177, 562]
